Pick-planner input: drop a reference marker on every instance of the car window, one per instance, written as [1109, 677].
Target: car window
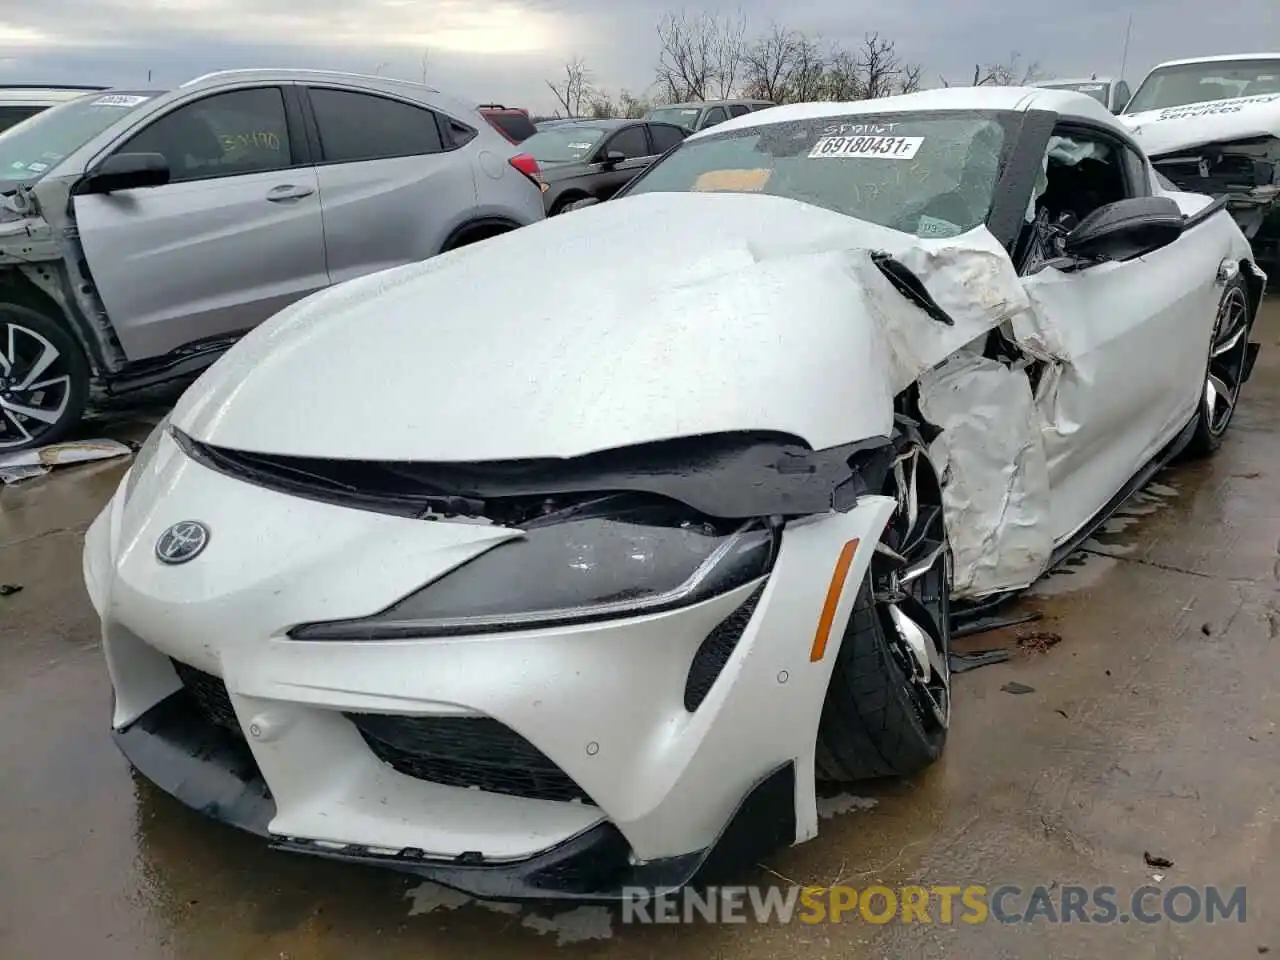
[714, 115]
[10, 115]
[739, 109]
[361, 126]
[515, 125]
[631, 143]
[1122, 95]
[666, 136]
[930, 174]
[32, 148]
[1082, 173]
[226, 134]
[1184, 85]
[685, 117]
[565, 144]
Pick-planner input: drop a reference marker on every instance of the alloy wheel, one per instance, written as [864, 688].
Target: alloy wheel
[1227, 358]
[911, 585]
[35, 385]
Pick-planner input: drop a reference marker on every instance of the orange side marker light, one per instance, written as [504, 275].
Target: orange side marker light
[838, 577]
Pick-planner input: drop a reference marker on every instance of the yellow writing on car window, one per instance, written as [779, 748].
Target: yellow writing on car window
[254, 140]
[733, 181]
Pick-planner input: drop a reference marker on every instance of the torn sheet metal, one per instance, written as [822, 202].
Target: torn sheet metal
[26, 464]
[995, 478]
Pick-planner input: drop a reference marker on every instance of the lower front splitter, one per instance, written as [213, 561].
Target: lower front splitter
[211, 770]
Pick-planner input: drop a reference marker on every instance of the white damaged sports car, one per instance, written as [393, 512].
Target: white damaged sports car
[552, 590]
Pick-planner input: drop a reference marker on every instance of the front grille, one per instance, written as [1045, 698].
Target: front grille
[474, 752]
[715, 650]
[210, 696]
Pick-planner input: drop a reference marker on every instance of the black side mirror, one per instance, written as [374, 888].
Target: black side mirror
[584, 202]
[126, 171]
[1126, 230]
[613, 158]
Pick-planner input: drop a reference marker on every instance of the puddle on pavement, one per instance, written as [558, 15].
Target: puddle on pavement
[579, 924]
[1114, 540]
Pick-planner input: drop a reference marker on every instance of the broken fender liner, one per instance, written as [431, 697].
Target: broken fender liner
[995, 478]
[212, 771]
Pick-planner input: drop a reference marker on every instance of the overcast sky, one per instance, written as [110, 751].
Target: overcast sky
[503, 50]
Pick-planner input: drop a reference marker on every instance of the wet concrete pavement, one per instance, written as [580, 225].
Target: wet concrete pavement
[1151, 728]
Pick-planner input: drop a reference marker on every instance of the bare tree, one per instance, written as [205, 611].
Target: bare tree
[700, 55]
[769, 64]
[911, 78]
[574, 92]
[426, 61]
[880, 67]
[809, 78]
[842, 76]
[1009, 73]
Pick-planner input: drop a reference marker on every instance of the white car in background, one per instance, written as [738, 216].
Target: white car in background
[23, 100]
[552, 590]
[1111, 93]
[1212, 125]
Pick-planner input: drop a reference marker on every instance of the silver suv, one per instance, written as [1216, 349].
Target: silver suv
[143, 232]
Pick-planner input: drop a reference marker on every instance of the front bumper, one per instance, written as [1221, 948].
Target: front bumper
[670, 794]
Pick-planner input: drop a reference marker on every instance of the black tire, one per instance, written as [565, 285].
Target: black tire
[873, 724]
[1231, 329]
[561, 203]
[63, 400]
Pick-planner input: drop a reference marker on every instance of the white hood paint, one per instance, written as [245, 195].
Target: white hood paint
[1162, 131]
[644, 319]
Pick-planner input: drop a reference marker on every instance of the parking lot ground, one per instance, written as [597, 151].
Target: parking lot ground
[1150, 728]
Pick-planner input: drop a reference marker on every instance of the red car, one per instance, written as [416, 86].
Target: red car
[512, 122]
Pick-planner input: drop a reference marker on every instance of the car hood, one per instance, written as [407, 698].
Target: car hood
[1177, 128]
[642, 319]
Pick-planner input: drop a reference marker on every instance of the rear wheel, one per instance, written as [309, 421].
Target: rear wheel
[44, 380]
[888, 705]
[1225, 373]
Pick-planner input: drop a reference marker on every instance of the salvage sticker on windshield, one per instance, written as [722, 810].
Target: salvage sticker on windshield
[890, 148]
[119, 100]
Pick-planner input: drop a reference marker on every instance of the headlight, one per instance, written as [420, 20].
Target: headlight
[145, 455]
[592, 564]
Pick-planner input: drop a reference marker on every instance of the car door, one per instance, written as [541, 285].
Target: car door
[1130, 338]
[633, 144]
[712, 117]
[392, 192]
[739, 110]
[234, 236]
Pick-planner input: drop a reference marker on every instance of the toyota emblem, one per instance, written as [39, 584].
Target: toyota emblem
[182, 542]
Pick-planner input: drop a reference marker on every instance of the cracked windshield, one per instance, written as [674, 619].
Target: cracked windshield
[517, 480]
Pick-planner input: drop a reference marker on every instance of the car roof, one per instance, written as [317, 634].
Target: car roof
[43, 93]
[977, 99]
[1219, 58]
[1051, 84]
[603, 123]
[689, 104]
[390, 85]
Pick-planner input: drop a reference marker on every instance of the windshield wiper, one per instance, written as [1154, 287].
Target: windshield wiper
[910, 286]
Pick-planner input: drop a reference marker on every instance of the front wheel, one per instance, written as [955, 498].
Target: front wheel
[44, 380]
[1225, 371]
[888, 705]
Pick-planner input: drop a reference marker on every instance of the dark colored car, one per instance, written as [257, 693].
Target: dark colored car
[596, 158]
[512, 122]
[700, 114]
